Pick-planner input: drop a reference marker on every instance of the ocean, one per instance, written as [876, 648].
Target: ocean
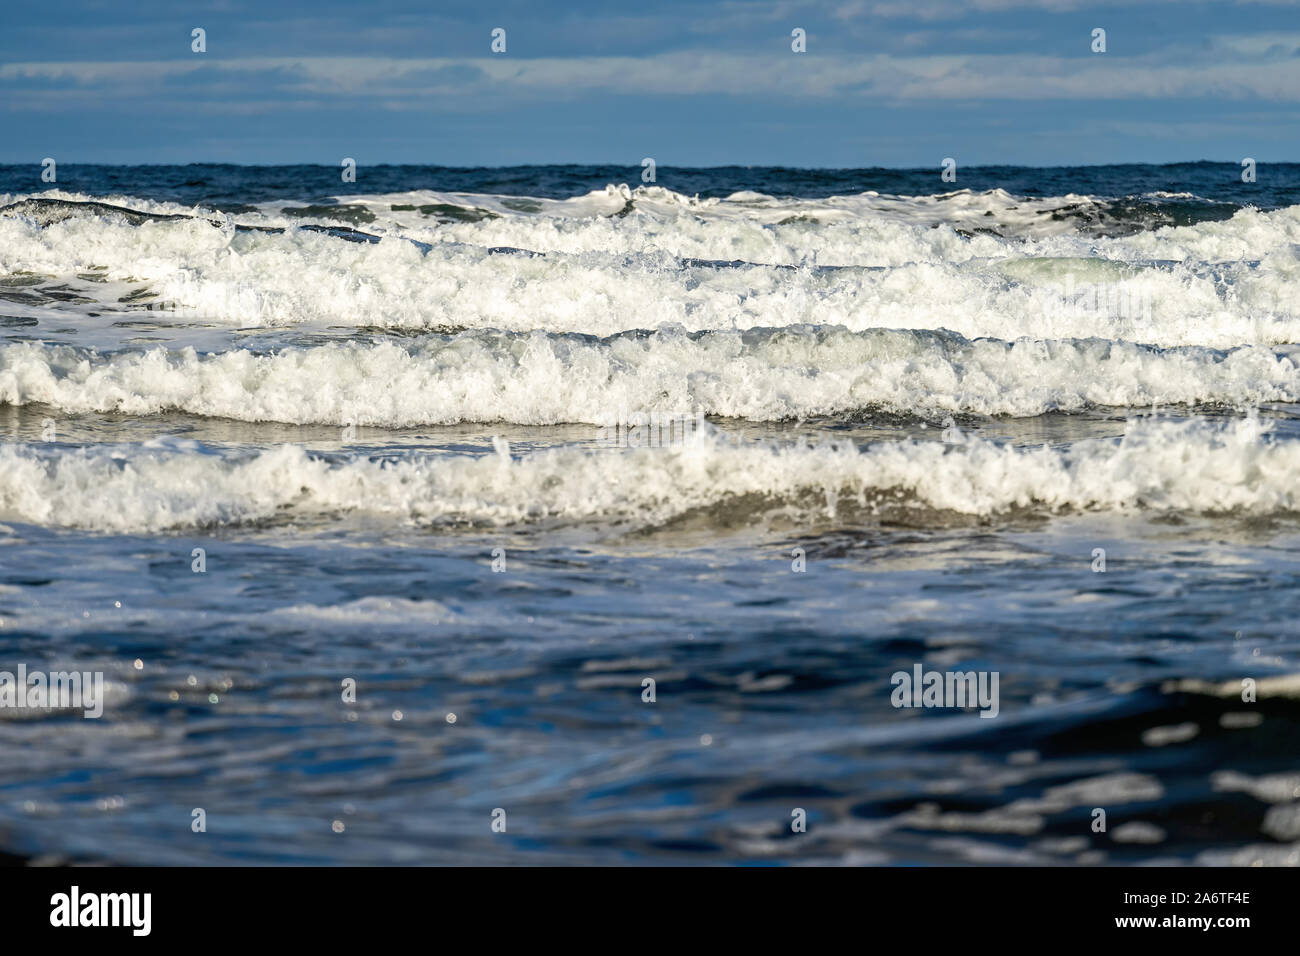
[548, 515]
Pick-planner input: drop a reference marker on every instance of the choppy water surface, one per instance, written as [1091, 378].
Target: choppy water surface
[905, 423]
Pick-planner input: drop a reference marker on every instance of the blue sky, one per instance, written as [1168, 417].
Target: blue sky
[695, 82]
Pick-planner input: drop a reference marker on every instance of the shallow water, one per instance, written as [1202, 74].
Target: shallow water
[902, 425]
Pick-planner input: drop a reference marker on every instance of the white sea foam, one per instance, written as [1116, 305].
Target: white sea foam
[1216, 284]
[538, 378]
[996, 208]
[1185, 467]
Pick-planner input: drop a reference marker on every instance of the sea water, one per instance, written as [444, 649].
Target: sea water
[320, 477]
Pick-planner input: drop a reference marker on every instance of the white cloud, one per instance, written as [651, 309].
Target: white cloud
[1234, 71]
[952, 9]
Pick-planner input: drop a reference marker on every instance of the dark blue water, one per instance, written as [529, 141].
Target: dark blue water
[224, 186]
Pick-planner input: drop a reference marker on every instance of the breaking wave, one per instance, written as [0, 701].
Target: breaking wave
[1189, 466]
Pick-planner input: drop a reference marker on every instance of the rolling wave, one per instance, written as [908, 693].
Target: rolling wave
[1190, 467]
[542, 378]
[1215, 284]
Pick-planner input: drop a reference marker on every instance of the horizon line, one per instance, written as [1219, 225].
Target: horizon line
[659, 166]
